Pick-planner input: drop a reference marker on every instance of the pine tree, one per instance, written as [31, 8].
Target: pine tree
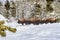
[48, 6]
[13, 9]
[7, 7]
[37, 9]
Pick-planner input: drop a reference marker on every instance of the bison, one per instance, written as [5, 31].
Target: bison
[36, 21]
[22, 21]
[27, 22]
[51, 20]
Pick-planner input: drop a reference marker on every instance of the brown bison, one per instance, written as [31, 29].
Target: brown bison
[27, 22]
[43, 20]
[22, 21]
[51, 20]
[36, 21]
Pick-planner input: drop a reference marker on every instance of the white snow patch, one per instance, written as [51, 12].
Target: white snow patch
[34, 32]
[2, 17]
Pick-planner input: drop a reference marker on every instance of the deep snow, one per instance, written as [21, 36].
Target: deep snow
[34, 32]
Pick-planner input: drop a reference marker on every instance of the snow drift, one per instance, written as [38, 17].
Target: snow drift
[2, 18]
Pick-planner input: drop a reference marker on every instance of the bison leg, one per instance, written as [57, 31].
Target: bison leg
[22, 23]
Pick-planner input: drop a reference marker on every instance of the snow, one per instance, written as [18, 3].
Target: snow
[2, 17]
[32, 32]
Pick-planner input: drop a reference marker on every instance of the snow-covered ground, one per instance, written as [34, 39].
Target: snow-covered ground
[34, 32]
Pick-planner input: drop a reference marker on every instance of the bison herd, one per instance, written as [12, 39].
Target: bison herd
[36, 21]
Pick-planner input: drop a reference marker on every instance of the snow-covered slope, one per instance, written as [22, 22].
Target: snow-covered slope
[2, 17]
[34, 32]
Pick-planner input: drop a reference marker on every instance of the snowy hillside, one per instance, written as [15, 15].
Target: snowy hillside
[2, 17]
[34, 32]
